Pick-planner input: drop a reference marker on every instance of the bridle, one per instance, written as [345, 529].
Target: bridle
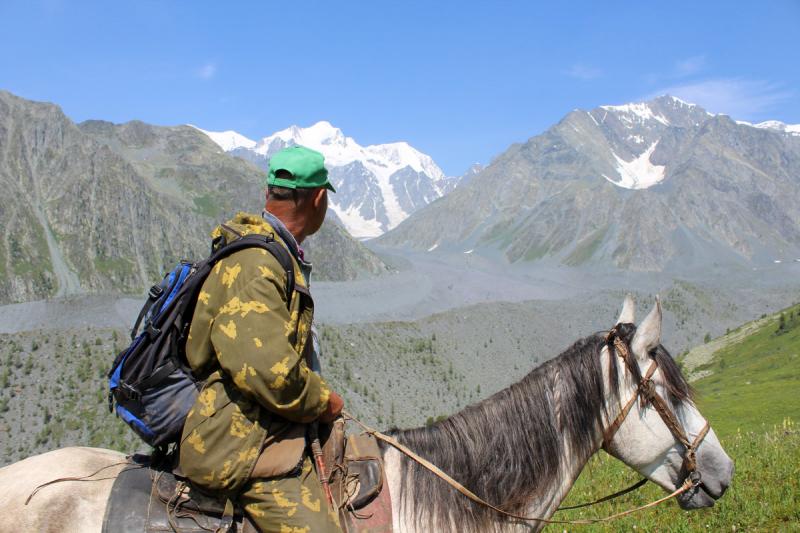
[647, 394]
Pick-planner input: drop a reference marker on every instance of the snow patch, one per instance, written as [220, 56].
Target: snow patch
[774, 125]
[639, 173]
[641, 111]
[227, 140]
[681, 102]
[358, 226]
[791, 129]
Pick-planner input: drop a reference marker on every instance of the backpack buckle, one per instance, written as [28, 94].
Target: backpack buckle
[152, 332]
[129, 392]
[155, 292]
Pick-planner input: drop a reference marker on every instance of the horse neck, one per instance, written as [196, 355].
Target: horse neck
[517, 449]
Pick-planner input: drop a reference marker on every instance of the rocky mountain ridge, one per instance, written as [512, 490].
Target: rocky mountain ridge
[99, 207]
[656, 185]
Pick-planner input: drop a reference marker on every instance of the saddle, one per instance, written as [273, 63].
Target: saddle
[147, 498]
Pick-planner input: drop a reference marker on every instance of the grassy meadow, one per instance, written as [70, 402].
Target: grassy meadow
[752, 399]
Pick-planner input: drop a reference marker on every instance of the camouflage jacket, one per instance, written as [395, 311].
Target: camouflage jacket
[249, 348]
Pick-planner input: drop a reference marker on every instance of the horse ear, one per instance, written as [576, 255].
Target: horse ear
[648, 334]
[628, 311]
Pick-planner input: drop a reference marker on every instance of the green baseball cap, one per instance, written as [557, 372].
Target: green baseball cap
[305, 166]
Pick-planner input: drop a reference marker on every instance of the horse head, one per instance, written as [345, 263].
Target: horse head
[663, 435]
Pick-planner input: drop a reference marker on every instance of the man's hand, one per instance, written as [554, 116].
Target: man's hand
[335, 405]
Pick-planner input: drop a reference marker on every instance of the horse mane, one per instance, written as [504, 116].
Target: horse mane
[507, 448]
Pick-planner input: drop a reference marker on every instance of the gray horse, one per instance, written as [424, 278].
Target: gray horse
[521, 449]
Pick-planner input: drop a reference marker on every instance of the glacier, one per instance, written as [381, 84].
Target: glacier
[639, 173]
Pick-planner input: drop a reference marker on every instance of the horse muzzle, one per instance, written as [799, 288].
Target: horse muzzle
[715, 477]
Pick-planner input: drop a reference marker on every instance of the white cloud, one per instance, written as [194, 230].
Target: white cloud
[583, 72]
[680, 69]
[207, 71]
[689, 66]
[738, 97]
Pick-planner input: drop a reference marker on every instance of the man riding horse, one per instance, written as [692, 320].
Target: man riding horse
[245, 439]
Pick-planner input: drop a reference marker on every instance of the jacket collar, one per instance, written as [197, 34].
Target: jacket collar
[287, 237]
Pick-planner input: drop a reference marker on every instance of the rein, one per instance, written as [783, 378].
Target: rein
[645, 392]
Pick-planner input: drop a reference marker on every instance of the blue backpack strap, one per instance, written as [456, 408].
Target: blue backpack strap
[185, 268]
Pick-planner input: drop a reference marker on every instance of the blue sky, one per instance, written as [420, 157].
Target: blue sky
[461, 81]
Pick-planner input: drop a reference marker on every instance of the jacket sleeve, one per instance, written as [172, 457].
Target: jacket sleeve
[251, 335]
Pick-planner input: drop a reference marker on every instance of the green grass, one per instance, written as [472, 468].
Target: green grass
[764, 495]
[207, 205]
[535, 252]
[751, 399]
[25, 263]
[107, 265]
[756, 383]
[585, 249]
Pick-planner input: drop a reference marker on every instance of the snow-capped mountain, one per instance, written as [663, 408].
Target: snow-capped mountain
[646, 186]
[775, 125]
[228, 140]
[377, 186]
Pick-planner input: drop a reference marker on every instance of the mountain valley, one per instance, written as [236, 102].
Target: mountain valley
[472, 282]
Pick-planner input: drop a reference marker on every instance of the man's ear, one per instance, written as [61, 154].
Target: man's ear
[318, 196]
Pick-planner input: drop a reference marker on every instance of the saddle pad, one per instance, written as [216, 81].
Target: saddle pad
[135, 507]
[126, 510]
[374, 517]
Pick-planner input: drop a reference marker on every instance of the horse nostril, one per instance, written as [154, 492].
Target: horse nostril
[724, 482]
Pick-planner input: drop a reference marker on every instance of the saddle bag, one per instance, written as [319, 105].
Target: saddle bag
[357, 481]
[150, 384]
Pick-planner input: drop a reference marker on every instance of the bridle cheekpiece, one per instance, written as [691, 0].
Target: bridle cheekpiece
[647, 394]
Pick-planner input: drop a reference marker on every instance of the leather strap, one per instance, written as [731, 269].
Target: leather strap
[617, 494]
[623, 414]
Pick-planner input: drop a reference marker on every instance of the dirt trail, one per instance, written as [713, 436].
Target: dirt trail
[68, 283]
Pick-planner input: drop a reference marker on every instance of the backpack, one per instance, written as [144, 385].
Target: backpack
[150, 382]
